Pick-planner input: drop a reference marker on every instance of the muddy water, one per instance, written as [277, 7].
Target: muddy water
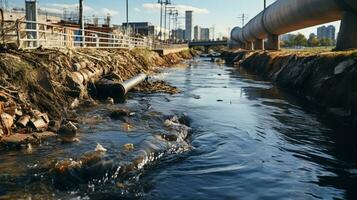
[247, 140]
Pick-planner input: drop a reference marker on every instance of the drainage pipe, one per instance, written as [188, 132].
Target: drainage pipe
[129, 84]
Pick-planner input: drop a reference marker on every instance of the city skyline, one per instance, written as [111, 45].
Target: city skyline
[205, 15]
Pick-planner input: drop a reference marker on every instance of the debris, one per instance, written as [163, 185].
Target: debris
[128, 147]
[110, 100]
[54, 126]
[127, 127]
[69, 129]
[100, 148]
[7, 121]
[23, 121]
[74, 104]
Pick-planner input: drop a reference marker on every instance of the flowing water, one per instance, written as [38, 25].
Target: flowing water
[247, 140]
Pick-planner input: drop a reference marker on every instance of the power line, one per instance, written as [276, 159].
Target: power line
[243, 17]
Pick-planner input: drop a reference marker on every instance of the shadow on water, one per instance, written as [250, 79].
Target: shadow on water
[235, 136]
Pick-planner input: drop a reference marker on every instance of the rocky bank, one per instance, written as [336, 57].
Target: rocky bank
[326, 80]
[40, 88]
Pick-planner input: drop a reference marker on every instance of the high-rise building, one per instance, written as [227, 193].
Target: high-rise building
[205, 34]
[189, 25]
[179, 34]
[197, 33]
[324, 32]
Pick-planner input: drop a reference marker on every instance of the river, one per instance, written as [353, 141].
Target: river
[248, 140]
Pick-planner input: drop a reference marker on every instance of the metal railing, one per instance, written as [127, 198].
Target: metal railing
[29, 35]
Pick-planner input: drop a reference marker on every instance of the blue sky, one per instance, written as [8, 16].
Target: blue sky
[223, 14]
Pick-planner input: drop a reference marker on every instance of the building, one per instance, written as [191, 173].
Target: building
[205, 34]
[189, 25]
[197, 33]
[286, 37]
[324, 32]
[140, 28]
[179, 34]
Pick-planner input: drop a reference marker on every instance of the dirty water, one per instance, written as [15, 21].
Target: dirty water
[227, 135]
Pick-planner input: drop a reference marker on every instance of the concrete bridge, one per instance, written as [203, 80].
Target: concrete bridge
[208, 44]
[285, 16]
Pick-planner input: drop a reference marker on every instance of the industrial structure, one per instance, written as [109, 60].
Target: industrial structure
[285, 16]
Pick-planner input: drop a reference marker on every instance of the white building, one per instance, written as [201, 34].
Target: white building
[189, 25]
[205, 34]
[197, 33]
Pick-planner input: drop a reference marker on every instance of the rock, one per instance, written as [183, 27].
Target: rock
[110, 100]
[74, 104]
[77, 67]
[69, 129]
[120, 113]
[169, 137]
[38, 124]
[127, 127]
[54, 126]
[340, 68]
[7, 122]
[120, 185]
[23, 121]
[18, 139]
[100, 148]
[128, 147]
[44, 135]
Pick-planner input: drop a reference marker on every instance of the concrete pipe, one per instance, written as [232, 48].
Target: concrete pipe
[285, 16]
[129, 84]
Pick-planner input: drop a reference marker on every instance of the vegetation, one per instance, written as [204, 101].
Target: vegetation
[299, 40]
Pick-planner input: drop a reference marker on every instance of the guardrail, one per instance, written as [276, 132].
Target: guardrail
[30, 35]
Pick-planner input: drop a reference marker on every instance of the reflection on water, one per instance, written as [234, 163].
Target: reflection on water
[248, 140]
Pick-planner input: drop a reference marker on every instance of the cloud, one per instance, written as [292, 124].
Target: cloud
[180, 8]
[106, 11]
[59, 8]
[137, 9]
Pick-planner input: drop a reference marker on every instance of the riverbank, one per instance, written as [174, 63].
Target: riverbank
[41, 89]
[327, 79]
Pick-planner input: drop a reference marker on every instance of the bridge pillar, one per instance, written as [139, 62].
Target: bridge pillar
[259, 44]
[273, 42]
[249, 46]
[347, 37]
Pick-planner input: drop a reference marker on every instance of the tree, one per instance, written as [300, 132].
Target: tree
[326, 42]
[313, 41]
[300, 40]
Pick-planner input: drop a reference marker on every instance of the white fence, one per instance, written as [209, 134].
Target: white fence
[29, 35]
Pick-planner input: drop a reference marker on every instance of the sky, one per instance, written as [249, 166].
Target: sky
[221, 14]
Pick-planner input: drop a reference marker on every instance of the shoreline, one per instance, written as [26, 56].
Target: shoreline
[41, 88]
[325, 80]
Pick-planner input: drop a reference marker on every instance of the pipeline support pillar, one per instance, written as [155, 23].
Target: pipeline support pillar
[249, 46]
[273, 42]
[347, 37]
[259, 44]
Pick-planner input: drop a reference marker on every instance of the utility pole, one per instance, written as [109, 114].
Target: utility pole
[243, 17]
[162, 3]
[127, 17]
[167, 2]
[81, 22]
[171, 10]
[265, 4]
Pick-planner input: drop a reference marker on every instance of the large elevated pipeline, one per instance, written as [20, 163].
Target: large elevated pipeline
[285, 16]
